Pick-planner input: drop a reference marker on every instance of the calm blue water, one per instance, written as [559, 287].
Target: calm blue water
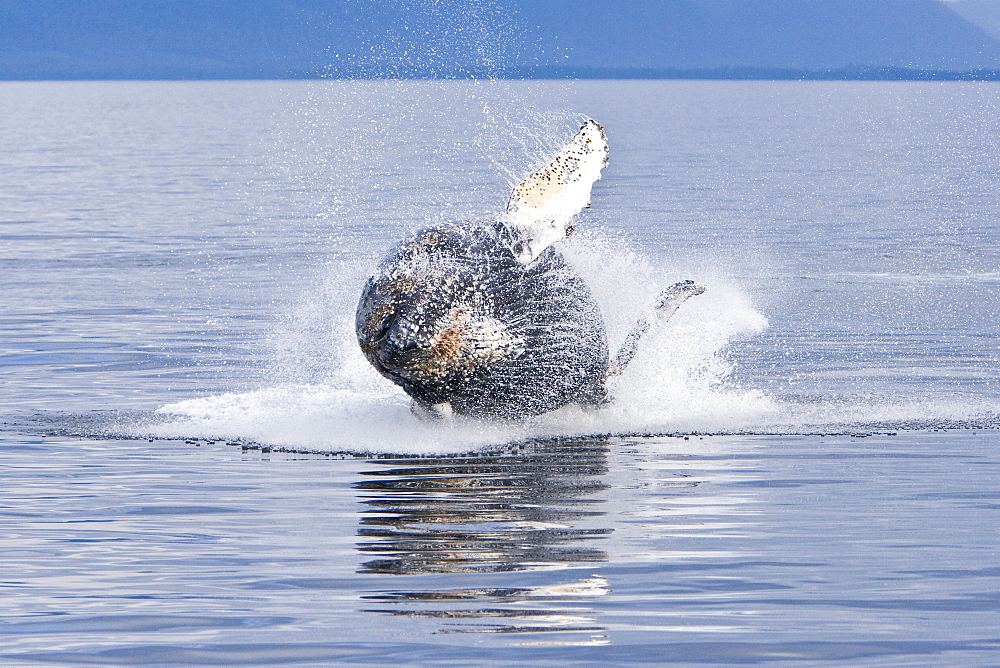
[179, 264]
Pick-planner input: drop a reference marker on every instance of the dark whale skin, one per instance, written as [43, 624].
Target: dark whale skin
[452, 316]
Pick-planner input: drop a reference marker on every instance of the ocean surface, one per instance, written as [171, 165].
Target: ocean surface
[197, 466]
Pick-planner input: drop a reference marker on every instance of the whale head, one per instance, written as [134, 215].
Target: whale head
[427, 330]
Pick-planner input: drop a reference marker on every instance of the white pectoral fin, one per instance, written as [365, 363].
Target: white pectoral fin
[542, 205]
[667, 304]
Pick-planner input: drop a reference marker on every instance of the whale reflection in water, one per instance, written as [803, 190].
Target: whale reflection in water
[487, 512]
[537, 507]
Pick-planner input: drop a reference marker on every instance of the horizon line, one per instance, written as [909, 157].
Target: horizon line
[722, 73]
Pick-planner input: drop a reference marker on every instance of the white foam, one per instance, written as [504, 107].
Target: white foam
[323, 418]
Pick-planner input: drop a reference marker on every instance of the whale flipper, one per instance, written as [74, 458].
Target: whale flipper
[667, 304]
[541, 207]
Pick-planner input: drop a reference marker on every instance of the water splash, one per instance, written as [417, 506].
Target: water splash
[677, 381]
[681, 380]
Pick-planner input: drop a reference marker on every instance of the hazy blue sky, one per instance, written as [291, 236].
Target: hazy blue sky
[275, 38]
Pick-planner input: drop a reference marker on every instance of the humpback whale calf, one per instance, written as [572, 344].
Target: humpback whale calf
[487, 319]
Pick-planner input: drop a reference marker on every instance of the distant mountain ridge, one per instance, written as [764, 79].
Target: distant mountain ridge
[801, 34]
[179, 39]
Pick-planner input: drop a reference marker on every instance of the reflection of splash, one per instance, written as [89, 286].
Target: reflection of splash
[539, 508]
[511, 610]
